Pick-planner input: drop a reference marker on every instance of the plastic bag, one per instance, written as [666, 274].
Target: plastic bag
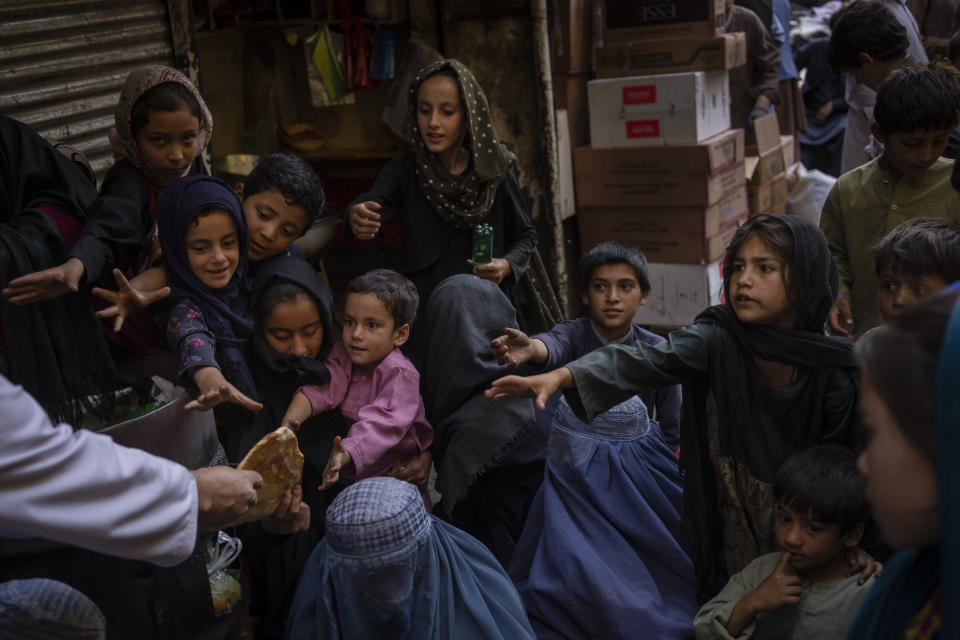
[808, 192]
[325, 59]
[225, 587]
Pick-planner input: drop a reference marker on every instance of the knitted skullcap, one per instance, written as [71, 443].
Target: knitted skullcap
[376, 516]
[626, 421]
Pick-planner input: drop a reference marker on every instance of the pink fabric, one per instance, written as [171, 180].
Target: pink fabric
[68, 224]
[389, 421]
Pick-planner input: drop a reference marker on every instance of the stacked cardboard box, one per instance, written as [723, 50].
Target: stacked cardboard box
[766, 167]
[664, 170]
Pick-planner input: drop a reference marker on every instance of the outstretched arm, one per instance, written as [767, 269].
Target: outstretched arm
[540, 387]
[515, 347]
[138, 293]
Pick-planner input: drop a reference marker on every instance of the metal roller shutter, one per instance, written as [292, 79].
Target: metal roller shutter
[62, 63]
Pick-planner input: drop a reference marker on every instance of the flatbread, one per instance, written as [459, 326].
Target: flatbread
[278, 460]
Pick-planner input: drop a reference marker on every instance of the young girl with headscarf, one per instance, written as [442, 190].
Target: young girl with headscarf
[162, 126]
[761, 382]
[456, 177]
[203, 235]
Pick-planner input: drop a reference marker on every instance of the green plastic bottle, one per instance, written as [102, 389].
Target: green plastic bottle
[482, 244]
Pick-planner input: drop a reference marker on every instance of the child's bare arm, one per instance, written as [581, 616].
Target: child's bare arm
[138, 293]
[215, 389]
[540, 387]
[298, 411]
[777, 590]
[515, 347]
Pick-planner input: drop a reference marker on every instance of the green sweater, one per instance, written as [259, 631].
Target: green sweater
[862, 208]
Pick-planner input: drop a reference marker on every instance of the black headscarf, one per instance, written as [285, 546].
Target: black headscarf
[814, 280]
[224, 310]
[55, 348]
[742, 433]
[471, 432]
[278, 376]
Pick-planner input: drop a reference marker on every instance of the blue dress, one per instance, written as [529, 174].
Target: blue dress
[601, 554]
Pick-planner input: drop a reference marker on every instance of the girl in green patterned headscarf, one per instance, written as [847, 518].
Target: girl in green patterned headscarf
[458, 175]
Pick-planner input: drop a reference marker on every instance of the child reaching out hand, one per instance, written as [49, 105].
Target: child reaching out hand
[802, 591]
[615, 284]
[204, 241]
[761, 382]
[372, 383]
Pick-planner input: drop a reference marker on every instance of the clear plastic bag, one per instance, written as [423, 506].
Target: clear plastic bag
[225, 587]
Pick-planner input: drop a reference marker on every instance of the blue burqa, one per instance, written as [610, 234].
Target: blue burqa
[601, 553]
[388, 569]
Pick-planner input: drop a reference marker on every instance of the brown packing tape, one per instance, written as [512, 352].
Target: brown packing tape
[673, 55]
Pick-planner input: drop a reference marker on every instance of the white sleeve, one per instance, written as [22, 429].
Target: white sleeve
[82, 489]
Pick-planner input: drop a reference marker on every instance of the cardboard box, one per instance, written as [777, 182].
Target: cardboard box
[679, 292]
[571, 35]
[673, 108]
[570, 94]
[764, 168]
[653, 176]
[672, 56]
[689, 235]
[770, 197]
[633, 20]
[789, 147]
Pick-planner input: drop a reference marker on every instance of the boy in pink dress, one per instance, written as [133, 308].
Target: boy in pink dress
[372, 383]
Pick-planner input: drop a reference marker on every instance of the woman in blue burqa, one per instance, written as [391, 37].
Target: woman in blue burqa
[601, 554]
[388, 569]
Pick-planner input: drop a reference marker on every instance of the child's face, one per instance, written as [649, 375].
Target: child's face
[757, 286]
[900, 291]
[169, 141]
[295, 328]
[816, 549]
[901, 481]
[911, 153]
[613, 296]
[273, 222]
[368, 332]
[213, 248]
[439, 114]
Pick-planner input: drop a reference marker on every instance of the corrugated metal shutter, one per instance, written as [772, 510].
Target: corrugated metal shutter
[62, 63]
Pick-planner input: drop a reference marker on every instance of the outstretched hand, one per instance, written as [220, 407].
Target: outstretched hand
[338, 458]
[540, 387]
[47, 284]
[513, 348]
[226, 392]
[126, 300]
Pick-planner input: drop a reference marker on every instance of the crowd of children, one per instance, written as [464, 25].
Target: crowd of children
[714, 483]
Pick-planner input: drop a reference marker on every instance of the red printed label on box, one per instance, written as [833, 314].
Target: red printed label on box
[643, 128]
[643, 94]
